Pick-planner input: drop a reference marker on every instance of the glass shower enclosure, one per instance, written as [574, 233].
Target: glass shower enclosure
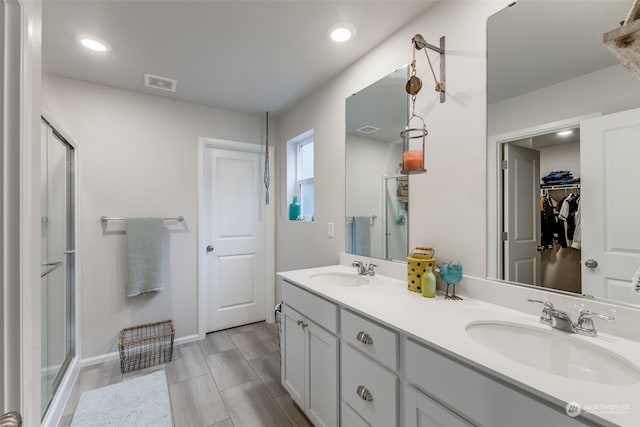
[57, 259]
[396, 214]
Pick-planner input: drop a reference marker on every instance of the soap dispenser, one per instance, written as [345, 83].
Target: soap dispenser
[428, 282]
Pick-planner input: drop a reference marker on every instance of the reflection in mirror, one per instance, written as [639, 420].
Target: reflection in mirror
[377, 195]
[563, 124]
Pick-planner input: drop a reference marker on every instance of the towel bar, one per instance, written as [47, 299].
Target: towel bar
[106, 218]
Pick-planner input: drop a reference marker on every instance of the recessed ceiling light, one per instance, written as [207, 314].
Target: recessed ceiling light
[341, 33]
[565, 132]
[95, 45]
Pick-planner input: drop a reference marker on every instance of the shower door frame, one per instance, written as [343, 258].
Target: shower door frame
[69, 369]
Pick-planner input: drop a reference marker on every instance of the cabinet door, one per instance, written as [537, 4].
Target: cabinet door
[293, 355]
[322, 376]
[421, 411]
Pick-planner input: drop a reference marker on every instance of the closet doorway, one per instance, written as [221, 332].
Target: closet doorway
[541, 195]
[236, 236]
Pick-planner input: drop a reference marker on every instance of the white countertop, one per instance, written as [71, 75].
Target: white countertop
[443, 323]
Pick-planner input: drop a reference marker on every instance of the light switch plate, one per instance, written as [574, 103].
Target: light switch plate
[330, 230]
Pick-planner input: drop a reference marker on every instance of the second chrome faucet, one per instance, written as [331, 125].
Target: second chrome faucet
[559, 319]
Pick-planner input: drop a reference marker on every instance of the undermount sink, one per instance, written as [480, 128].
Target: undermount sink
[340, 279]
[554, 352]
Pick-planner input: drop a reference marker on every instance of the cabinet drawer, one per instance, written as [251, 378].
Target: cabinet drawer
[359, 371]
[475, 395]
[382, 343]
[321, 311]
[350, 418]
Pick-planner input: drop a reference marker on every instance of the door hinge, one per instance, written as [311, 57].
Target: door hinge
[505, 236]
[503, 164]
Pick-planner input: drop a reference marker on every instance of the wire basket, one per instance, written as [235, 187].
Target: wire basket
[146, 345]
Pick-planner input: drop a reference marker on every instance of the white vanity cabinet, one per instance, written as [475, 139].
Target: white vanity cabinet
[368, 378]
[466, 392]
[345, 367]
[310, 354]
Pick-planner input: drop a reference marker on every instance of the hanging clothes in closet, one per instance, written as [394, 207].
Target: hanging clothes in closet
[568, 208]
[551, 227]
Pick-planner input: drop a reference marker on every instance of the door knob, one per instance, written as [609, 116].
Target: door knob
[591, 263]
[209, 248]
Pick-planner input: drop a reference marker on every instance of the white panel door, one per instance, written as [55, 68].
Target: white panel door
[610, 204]
[235, 232]
[522, 215]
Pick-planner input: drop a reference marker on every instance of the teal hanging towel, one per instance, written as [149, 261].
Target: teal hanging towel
[144, 255]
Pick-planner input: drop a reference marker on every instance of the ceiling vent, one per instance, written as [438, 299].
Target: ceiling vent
[157, 82]
[368, 129]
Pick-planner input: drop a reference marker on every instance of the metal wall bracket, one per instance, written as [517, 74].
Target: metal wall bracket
[421, 43]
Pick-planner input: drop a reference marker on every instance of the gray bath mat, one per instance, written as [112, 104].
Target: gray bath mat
[141, 401]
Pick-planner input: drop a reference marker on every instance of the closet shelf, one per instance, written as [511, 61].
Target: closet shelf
[559, 187]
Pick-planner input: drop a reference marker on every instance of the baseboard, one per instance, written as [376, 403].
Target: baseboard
[108, 357]
[56, 409]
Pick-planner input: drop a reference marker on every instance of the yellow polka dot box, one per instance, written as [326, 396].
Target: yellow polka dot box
[417, 262]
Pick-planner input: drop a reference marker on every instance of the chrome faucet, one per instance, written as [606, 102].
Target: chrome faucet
[361, 267]
[364, 269]
[559, 319]
[545, 318]
[584, 325]
[371, 269]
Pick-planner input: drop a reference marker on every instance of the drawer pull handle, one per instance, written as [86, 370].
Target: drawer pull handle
[364, 393]
[364, 338]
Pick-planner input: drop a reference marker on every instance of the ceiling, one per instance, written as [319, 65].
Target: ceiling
[247, 56]
[538, 43]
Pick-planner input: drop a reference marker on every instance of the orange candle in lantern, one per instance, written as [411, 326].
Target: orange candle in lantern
[412, 159]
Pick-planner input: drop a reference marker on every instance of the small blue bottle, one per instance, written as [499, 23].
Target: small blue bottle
[294, 209]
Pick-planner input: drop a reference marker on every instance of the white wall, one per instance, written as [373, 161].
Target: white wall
[447, 209]
[563, 157]
[605, 91]
[138, 156]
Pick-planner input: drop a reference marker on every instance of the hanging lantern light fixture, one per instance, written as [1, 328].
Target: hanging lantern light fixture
[415, 131]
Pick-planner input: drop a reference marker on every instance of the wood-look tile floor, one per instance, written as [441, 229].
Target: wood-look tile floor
[229, 379]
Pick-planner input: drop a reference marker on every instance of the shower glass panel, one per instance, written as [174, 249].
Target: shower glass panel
[57, 260]
[396, 197]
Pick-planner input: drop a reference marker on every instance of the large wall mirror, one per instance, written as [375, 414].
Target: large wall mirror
[563, 150]
[377, 195]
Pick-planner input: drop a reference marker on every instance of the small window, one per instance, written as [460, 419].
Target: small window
[301, 177]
